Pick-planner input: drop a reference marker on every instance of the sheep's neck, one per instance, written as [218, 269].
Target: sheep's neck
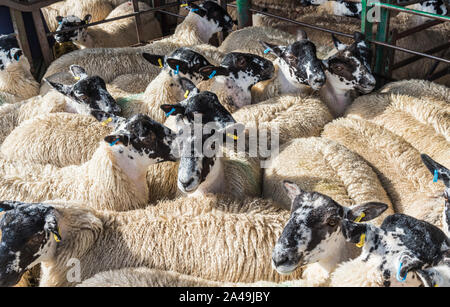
[286, 85]
[337, 99]
[195, 30]
[134, 166]
[215, 181]
[334, 256]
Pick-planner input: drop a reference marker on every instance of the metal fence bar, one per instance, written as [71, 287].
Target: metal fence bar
[243, 11]
[347, 35]
[138, 21]
[28, 7]
[418, 28]
[417, 57]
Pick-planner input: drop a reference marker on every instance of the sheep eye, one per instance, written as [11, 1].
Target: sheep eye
[332, 222]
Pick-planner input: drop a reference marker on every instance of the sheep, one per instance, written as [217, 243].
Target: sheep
[423, 122]
[418, 89]
[313, 234]
[438, 276]
[99, 9]
[85, 132]
[401, 245]
[114, 178]
[87, 94]
[443, 174]
[121, 33]
[396, 163]
[198, 27]
[16, 81]
[243, 231]
[207, 164]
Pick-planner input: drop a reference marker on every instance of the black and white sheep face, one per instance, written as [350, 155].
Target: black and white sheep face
[438, 276]
[402, 244]
[215, 15]
[313, 231]
[68, 22]
[311, 2]
[29, 234]
[10, 52]
[443, 174]
[182, 63]
[299, 62]
[434, 6]
[349, 68]
[87, 94]
[142, 140]
[203, 125]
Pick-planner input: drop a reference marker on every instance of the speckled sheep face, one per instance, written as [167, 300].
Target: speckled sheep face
[10, 52]
[28, 232]
[87, 94]
[434, 6]
[438, 276]
[143, 140]
[299, 62]
[200, 123]
[214, 14]
[349, 68]
[402, 239]
[444, 175]
[70, 22]
[311, 2]
[313, 231]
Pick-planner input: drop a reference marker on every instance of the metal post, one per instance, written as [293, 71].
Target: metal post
[244, 15]
[22, 38]
[366, 26]
[40, 31]
[382, 36]
[138, 22]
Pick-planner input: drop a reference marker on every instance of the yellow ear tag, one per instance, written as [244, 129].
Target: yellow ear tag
[233, 136]
[160, 63]
[436, 285]
[76, 78]
[359, 218]
[107, 121]
[361, 240]
[186, 94]
[184, 5]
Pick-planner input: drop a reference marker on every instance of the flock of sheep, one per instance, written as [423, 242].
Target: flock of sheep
[96, 168]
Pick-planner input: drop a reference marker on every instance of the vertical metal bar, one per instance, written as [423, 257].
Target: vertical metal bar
[222, 35]
[382, 35]
[244, 15]
[40, 31]
[22, 38]
[163, 17]
[138, 22]
[391, 51]
[366, 26]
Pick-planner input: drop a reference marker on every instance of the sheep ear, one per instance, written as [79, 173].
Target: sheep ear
[301, 35]
[371, 210]
[107, 118]
[51, 224]
[173, 109]
[62, 88]
[188, 85]
[87, 18]
[154, 59]
[277, 50]
[210, 71]
[427, 278]
[291, 189]
[173, 63]
[7, 205]
[338, 44]
[78, 72]
[196, 9]
[409, 263]
[352, 231]
[442, 171]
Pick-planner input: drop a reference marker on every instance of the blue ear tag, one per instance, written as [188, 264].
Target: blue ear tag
[171, 111]
[17, 57]
[399, 278]
[114, 143]
[59, 22]
[194, 10]
[178, 70]
[267, 51]
[1, 209]
[212, 74]
[435, 178]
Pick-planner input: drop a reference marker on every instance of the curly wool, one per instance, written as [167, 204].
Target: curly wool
[294, 116]
[99, 182]
[397, 164]
[17, 83]
[192, 236]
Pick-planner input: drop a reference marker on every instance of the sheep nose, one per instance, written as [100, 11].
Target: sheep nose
[187, 184]
[278, 261]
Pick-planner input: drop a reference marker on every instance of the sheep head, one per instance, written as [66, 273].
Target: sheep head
[298, 62]
[313, 231]
[66, 23]
[10, 52]
[87, 94]
[29, 235]
[212, 13]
